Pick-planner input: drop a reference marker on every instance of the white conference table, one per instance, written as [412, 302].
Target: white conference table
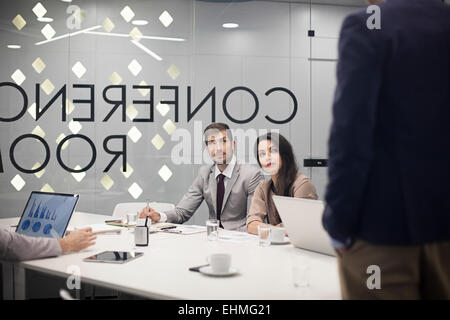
[162, 272]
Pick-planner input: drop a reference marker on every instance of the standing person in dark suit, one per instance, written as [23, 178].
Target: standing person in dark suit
[388, 197]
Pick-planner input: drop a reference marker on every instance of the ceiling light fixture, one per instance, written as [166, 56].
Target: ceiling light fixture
[14, 46]
[230, 25]
[139, 22]
[124, 35]
[68, 35]
[145, 49]
[45, 19]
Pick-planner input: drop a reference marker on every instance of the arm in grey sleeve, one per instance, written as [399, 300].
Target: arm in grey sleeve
[17, 247]
[254, 181]
[188, 204]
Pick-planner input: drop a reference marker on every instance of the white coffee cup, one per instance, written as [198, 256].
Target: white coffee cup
[277, 234]
[132, 219]
[220, 262]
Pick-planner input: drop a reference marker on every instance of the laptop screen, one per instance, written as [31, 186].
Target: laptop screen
[47, 214]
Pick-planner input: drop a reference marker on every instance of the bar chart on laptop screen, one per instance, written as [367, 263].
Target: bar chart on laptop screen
[46, 215]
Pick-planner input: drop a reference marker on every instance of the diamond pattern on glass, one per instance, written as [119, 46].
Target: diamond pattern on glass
[39, 132]
[134, 134]
[32, 110]
[127, 13]
[173, 72]
[47, 86]
[158, 142]
[169, 126]
[39, 10]
[165, 173]
[166, 19]
[18, 77]
[135, 34]
[19, 22]
[107, 182]
[163, 109]
[134, 67]
[78, 69]
[78, 175]
[59, 139]
[108, 25]
[47, 188]
[17, 182]
[69, 106]
[143, 92]
[131, 112]
[135, 190]
[115, 78]
[129, 171]
[39, 173]
[75, 126]
[48, 31]
[38, 65]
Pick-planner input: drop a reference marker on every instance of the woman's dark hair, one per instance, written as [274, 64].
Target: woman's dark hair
[287, 173]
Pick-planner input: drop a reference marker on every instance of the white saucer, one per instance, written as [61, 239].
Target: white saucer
[285, 241]
[208, 271]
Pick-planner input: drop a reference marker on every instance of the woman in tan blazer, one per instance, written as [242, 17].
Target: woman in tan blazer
[276, 158]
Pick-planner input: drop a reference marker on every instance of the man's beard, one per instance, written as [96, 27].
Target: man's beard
[225, 160]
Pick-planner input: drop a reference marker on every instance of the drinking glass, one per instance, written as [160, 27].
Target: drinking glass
[212, 229]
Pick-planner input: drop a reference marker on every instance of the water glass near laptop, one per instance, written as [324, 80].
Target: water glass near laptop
[264, 235]
[212, 229]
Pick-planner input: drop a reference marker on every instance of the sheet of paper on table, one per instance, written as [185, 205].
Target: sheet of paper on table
[187, 229]
[235, 236]
[98, 228]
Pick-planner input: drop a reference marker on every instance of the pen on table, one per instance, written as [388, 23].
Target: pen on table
[167, 228]
[171, 230]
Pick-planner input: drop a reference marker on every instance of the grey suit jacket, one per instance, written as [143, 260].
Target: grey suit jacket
[236, 202]
[17, 247]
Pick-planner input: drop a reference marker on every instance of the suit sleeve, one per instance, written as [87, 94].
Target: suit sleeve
[352, 130]
[17, 247]
[255, 179]
[188, 204]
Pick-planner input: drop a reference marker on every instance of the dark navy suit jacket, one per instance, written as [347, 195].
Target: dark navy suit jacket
[389, 146]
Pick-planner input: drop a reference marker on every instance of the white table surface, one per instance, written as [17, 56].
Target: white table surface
[162, 272]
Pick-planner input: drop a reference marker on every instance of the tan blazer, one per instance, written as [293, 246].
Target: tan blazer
[263, 208]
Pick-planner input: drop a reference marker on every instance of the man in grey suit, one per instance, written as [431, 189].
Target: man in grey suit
[17, 247]
[227, 186]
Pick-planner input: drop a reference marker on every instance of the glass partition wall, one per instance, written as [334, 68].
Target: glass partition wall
[90, 86]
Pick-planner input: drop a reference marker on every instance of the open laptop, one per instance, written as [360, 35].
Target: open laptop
[302, 219]
[47, 214]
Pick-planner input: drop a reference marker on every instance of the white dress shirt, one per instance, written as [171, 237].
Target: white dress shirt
[228, 172]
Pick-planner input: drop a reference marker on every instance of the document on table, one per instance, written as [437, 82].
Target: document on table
[235, 236]
[99, 228]
[187, 229]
